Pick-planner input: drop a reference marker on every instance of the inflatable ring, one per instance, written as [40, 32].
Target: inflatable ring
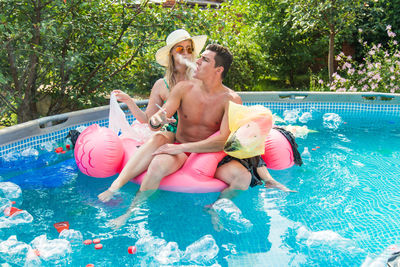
[100, 153]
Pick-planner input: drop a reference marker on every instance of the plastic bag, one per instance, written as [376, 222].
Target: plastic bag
[249, 128]
[140, 132]
[117, 119]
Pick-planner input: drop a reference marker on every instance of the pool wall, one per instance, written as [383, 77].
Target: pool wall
[32, 133]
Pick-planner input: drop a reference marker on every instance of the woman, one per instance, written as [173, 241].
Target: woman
[178, 56]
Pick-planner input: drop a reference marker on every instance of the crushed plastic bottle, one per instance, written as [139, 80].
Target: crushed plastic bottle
[230, 217]
[306, 155]
[305, 117]
[332, 121]
[150, 245]
[74, 237]
[169, 254]
[201, 251]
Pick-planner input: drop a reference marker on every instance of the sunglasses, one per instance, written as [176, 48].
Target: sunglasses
[180, 49]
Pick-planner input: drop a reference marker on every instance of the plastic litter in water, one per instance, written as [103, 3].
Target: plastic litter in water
[60, 226]
[332, 121]
[132, 250]
[202, 251]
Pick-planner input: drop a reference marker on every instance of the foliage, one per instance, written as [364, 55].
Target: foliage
[287, 53]
[75, 52]
[70, 51]
[231, 25]
[373, 18]
[71, 54]
[378, 72]
[330, 17]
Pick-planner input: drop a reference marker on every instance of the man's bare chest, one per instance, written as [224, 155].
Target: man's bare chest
[203, 112]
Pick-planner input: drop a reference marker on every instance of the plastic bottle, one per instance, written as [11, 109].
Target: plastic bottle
[306, 154]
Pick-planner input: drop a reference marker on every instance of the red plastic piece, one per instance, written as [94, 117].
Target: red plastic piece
[132, 250]
[96, 241]
[37, 252]
[87, 242]
[98, 246]
[60, 226]
[10, 211]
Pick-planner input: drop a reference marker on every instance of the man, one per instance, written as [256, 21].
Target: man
[202, 106]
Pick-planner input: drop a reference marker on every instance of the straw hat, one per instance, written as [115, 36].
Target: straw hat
[162, 55]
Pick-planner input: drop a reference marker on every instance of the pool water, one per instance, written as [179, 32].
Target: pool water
[346, 211]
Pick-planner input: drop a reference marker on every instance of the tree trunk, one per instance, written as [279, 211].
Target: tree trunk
[27, 110]
[291, 78]
[331, 54]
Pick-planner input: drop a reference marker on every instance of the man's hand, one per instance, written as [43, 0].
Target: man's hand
[171, 149]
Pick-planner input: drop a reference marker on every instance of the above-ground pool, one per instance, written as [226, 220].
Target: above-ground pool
[345, 213]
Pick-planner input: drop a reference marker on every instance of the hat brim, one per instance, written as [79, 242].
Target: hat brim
[162, 54]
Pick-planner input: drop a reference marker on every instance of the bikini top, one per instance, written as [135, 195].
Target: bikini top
[171, 127]
[166, 84]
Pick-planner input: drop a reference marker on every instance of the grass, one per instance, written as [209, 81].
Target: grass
[270, 83]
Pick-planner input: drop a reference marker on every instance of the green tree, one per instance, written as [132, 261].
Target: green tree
[231, 24]
[72, 53]
[330, 17]
[288, 53]
[68, 52]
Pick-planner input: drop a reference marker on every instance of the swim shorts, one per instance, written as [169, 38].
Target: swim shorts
[251, 164]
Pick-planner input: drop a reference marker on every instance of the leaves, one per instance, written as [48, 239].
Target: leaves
[77, 51]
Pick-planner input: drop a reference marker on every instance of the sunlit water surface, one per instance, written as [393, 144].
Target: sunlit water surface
[346, 211]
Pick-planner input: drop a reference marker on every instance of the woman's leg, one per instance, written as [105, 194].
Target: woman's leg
[238, 179]
[271, 182]
[236, 176]
[161, 166]
[138, 163]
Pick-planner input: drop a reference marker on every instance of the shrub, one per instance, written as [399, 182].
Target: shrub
[379, 70]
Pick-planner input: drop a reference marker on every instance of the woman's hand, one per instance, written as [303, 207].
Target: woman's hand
[122, 97]
[159, 119]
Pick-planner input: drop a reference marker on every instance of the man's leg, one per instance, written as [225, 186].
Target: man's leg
[138, 163]
[162, 165]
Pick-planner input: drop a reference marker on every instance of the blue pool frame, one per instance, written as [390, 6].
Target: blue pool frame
[32, 133]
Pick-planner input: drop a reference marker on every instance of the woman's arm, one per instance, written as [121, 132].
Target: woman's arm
[164, 116]
[140, 115]
[155, 99]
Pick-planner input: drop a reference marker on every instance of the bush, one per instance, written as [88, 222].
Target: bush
[379, 70]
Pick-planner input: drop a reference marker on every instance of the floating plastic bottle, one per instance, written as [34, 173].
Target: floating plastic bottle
[306, 154]
[202, 251]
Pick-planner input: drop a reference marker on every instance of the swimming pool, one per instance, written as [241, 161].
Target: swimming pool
[346, 211]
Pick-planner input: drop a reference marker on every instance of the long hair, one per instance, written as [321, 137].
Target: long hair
[170, 73]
